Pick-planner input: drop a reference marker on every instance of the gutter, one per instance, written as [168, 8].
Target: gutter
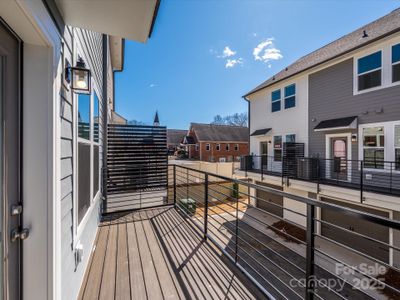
[156, 8]
[326, 60]
[248, 118]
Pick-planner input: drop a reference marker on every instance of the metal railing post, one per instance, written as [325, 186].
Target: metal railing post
[174, 170]
[391, 177]
[246, 160]
[205, 206]
[310, 254]
[362, 181]
[237, 230]
[318, 175]
[262, 167]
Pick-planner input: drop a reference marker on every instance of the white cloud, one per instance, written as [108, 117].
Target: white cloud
[254, 34]
[228, 52]
[152, 85]
[230, 63]
[266, 51]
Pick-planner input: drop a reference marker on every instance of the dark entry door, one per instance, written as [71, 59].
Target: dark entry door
[264, 155]
[339, 158]
[11, 209]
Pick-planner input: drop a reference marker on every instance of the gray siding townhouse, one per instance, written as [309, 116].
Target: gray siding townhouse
[59, 58]
[341, 104]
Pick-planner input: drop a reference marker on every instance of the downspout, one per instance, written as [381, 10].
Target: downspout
[105, 121]
[248, 117]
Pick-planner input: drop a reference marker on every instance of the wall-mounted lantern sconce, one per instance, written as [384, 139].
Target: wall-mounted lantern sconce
[80, 78]
[269, 142]
[354, 138]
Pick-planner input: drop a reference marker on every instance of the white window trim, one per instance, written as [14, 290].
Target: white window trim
[286, 136]
[227, 147]
[328, 151]
[294, 95]
[196, 147]
[208, 147]
[389, 152]
[386, 67]
[79, 227]
[236, 147]
[218, 147]
[273, 101]
[393, 64]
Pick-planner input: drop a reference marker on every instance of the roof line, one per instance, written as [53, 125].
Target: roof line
[324, 61]
[153, 21]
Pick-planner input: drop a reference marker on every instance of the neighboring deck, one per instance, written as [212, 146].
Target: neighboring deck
[157, 254]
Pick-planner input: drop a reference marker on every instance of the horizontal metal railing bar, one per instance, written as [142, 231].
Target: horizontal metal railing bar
[265, 224]
[359, 271]
[357, 234]
[357, 252]
[263, 200]
[252, 279]
[270, 226]
[348, 211]
[261, 243]
[266, 201]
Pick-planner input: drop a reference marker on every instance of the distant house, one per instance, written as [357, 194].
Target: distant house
[216, 143]
[175, 139]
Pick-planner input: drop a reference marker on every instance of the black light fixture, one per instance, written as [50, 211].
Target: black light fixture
[80, 77]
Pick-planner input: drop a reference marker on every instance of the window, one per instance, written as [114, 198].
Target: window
[236, 147]
[227, 147]
[88, 152]
[84, 116]
[276, 100]
[197, 147]
[218, 147]
[374, 147]
[397, 146]
[290, 138]
[278, 148]
[369, 71]
[290, 96]
[222, 159]
[208, 147]
[96, 118]
[396, 63]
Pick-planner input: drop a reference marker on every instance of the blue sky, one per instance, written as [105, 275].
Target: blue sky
[185, 74]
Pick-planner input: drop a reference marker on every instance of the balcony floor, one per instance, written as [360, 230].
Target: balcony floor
[156, 254]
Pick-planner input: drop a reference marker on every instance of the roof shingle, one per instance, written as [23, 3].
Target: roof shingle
[375, 30]
[220, 133]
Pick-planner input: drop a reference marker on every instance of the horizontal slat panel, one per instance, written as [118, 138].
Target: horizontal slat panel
[136, 159]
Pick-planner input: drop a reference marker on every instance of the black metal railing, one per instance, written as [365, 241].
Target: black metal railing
[299, 254]
[366, 176]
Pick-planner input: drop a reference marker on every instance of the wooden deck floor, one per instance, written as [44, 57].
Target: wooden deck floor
[156, 254]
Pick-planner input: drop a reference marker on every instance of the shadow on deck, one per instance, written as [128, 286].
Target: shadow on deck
[157, 254]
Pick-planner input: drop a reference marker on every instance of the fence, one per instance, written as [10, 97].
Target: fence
[366, 176]
[283, 259]
[137, 167]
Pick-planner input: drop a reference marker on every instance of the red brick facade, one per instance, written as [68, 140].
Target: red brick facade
[200, 151]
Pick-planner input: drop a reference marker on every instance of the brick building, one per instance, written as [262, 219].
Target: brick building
[217, 143]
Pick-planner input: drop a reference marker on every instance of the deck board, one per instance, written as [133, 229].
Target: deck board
[156, 254]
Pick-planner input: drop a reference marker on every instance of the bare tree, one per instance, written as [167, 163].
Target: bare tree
[237, 119]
